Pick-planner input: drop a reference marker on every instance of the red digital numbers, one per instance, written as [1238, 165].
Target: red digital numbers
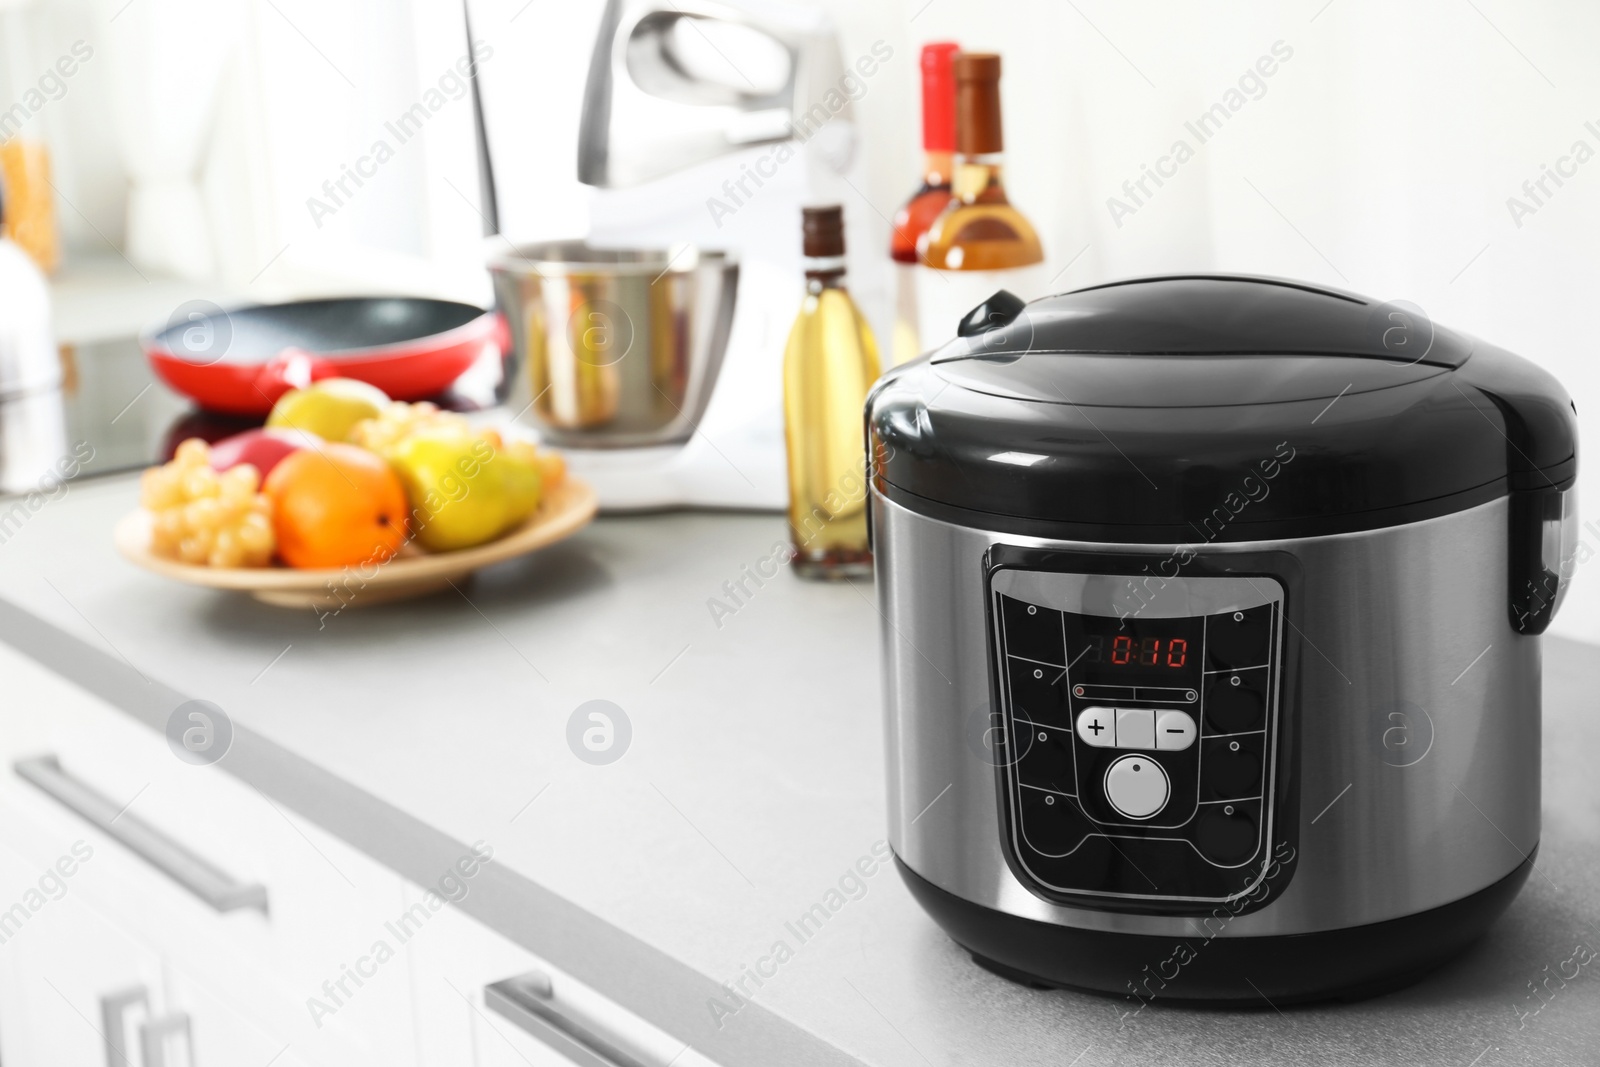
[1148, 652]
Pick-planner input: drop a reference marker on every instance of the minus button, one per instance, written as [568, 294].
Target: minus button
[1175, 731]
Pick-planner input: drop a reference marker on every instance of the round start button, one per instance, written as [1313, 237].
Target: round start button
[1137, 786]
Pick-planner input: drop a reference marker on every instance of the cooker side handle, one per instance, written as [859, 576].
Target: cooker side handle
[1543, 541]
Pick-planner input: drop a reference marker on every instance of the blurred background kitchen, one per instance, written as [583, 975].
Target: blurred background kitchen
[159, 152]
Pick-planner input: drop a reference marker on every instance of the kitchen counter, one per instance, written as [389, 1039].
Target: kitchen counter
[751, 790]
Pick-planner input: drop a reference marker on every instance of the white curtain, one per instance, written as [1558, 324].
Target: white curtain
[166, 59]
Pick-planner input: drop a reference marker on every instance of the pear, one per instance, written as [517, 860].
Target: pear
[462, 490]
[330, 408]
[525, 474]
[524, 486]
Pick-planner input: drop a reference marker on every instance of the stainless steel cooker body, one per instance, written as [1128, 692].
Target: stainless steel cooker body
[1401, 742]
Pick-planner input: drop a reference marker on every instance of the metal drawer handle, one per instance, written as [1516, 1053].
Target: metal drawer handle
[114, 1022]
[205, 880]
[153, 1039]
[527, 1001]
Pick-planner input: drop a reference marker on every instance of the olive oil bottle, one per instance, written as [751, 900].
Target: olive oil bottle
[830, 363]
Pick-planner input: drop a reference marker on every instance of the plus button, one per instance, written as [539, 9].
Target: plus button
[1097, 727]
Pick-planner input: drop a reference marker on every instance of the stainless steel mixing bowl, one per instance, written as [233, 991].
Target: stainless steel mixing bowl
[616, 348]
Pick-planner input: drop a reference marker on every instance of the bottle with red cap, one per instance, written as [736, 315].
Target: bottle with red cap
[911, 222]
[939, 144]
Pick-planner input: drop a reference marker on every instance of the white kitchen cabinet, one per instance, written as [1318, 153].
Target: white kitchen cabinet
[221, 1034]
[60, 967]
[453, 958]
[318, 977]
[326, 904]
[457, 957]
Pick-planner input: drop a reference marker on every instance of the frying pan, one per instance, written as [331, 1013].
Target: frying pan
[240, 361]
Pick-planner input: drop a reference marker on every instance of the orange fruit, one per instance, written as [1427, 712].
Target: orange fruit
[335, 506]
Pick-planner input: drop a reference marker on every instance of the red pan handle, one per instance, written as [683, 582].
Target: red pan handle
[292, 368]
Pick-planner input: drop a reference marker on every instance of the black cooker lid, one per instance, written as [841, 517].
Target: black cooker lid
[1213, 407]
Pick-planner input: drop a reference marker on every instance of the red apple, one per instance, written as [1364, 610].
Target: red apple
[262, 449]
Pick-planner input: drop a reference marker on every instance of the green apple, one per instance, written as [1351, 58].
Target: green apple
[329, 408]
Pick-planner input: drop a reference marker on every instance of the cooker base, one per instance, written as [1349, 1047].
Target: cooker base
[1348, 964]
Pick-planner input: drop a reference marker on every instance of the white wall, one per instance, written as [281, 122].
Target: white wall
[1379, 160]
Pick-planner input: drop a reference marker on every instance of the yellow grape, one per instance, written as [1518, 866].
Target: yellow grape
[158, 489]
[169, 523]
[201, 482]
[192, 452]
[255, 534]
[225, 549]
[241, 481]
[194, 548]
[400, 420]
[237, 507]
[203, 517]
[524, 452]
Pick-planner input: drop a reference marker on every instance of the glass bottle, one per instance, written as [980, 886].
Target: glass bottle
[918, 213]
[830, 363]
[980, 242]
[31, 213]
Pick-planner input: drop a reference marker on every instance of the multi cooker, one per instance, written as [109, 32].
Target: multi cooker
[1211, 609]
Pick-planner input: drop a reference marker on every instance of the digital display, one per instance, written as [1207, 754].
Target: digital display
[1134, 651]
[1124, 652]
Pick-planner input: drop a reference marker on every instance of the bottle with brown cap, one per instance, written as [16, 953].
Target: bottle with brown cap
[830, 363]
[980, 240]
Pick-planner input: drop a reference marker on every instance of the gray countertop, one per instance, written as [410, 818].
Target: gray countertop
[752, 785]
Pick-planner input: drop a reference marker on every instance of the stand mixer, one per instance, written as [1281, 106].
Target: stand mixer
[706, 126]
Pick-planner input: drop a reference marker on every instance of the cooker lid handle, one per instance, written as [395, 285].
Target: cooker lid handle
[995, 313]
[1544, 536]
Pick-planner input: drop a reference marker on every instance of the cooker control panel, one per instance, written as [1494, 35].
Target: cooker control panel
[1141, 729]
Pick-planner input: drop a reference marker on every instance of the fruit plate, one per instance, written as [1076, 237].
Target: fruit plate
[412, 572]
